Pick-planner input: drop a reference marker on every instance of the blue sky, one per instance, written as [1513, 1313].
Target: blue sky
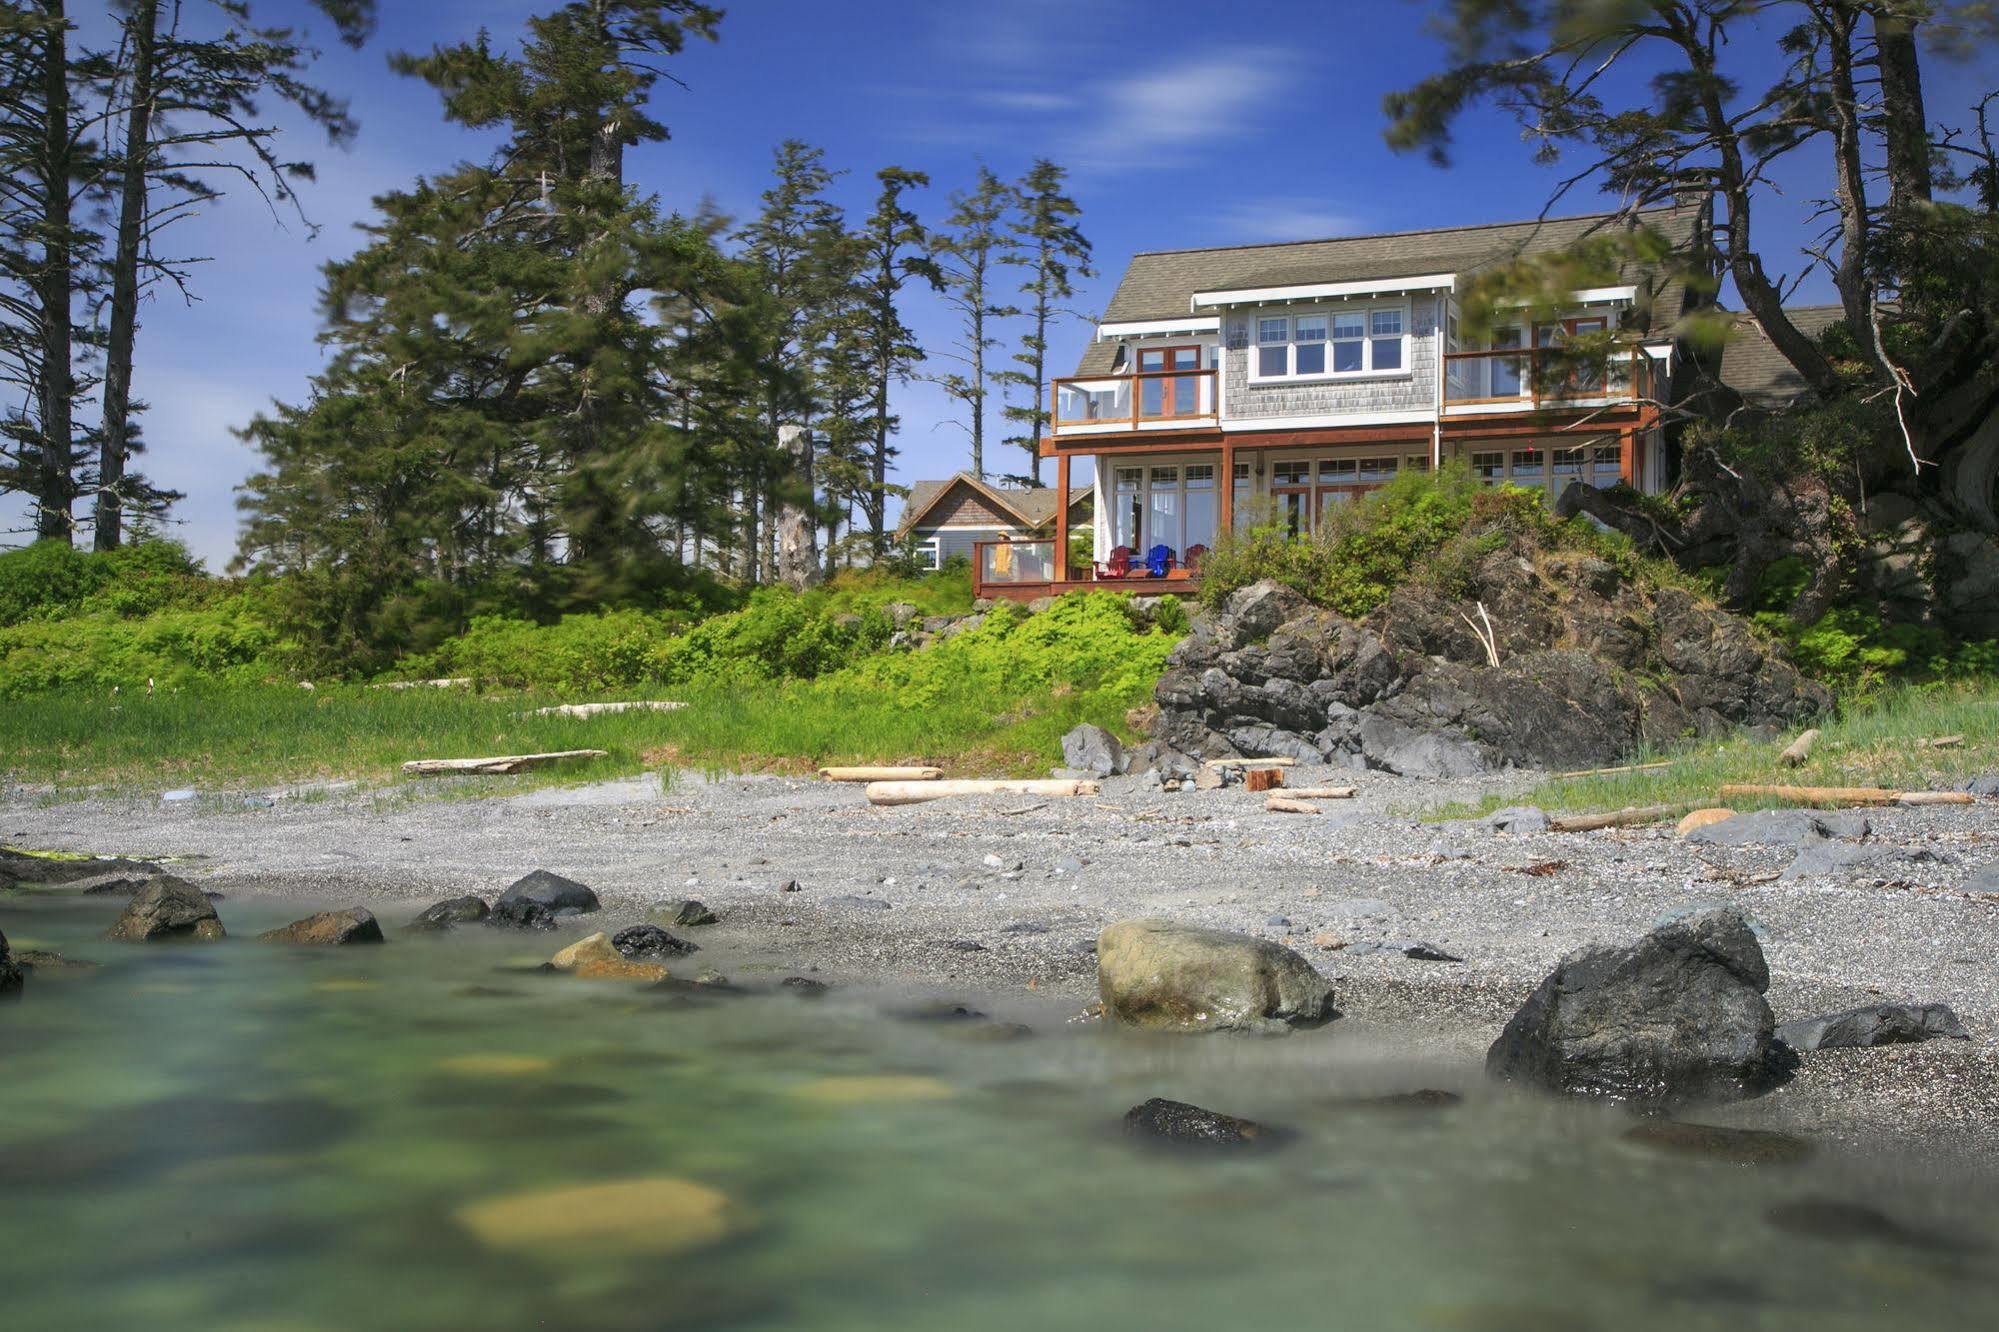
[1184, 124]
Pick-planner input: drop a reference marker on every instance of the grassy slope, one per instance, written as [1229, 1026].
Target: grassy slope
[1870, 745]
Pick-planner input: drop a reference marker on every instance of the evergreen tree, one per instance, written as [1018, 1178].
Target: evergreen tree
[1051, 247]
[893, 250]
[971, 243]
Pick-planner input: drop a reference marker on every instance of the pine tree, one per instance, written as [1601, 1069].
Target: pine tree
[1050, 246]
[973, 239]
[893, 250]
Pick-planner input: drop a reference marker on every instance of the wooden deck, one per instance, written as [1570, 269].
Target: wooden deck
[1185, 585]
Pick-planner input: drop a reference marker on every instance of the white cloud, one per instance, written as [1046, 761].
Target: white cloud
[1164, 114]
[1033, 100]
[1285, 218]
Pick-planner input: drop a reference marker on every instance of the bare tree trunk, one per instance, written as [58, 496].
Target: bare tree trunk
[1849, 184]
[797, 560]
[1906, 124]
[115, 444]
[55, 485]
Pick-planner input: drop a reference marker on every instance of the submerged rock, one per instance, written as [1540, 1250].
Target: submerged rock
[1733, 1146]
[656, 1217]
[645, 943]
[1834, 1219]
[451, 911]
[37, 961]
[1185, 1125]
[168, 908]
[1158, 974]
[1676, 1018]
[356, 925]
[551, 892]
[1876, 1024]
[595, 959]
[804, 987]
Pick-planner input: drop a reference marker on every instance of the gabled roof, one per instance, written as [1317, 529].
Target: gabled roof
[1161, 284]
[1030, 508]
[1753, 367]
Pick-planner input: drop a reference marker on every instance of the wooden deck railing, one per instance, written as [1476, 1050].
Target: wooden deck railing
[1542, 376]
[1148, 399]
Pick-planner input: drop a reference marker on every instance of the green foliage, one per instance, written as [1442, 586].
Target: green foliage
[230, 641]
[1423, 528]
[52, 579]
[1855, 650]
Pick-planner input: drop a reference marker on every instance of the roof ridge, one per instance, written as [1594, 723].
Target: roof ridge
[1419, 231]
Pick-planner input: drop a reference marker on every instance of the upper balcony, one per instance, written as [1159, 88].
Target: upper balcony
[1142, 400]
[1515, 379]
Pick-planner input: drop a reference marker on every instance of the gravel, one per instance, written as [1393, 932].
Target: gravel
[1376, 882]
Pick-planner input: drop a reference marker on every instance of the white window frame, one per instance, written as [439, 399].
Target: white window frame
[1328, 315]
[930, 551]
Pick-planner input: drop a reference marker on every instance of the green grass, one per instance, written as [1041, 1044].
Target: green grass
[1871, 744]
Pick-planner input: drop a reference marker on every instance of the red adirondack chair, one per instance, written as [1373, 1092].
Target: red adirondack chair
[1191, 562]
[1117, 566]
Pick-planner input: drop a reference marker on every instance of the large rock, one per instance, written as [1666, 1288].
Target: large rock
[1876, 1024]
[1591, 668]
[11, 980]
[168, 908]
[535, 899]
[1184, 1125]
[1094, 751]
[1674, 1019]
[650, 943]
[1166, 976]
[356, 925]
[1781, 827]
[451, 911]
[594, 958]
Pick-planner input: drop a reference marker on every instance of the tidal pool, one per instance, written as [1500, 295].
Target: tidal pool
[429, 1134]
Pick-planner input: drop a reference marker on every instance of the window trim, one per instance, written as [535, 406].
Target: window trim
[1364, 310]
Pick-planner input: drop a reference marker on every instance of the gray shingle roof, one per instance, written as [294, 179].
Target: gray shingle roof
[1161, 284]
[1757, 370]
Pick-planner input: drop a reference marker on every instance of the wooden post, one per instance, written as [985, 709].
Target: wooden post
[1061, 561]
[1227, 483]
[1627, 457]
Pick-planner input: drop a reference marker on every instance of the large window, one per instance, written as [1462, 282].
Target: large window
[1172, 506]
[1361, 342]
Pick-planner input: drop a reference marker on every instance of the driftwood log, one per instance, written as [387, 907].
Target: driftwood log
[1278, 804]
[1321, 792]
[1221, 763]
[881, 774]
[505, 763]
[1629, 817]
[1850, 795]
[1799, 749]
[454, 682]
[1612, 772]
[911, 793]
[598, 709]
[1937, 798]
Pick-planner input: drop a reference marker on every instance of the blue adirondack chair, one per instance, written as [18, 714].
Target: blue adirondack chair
[1158, 560]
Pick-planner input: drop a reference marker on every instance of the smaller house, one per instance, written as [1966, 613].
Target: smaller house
[952, 517]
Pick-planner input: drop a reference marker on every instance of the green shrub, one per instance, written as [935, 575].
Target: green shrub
[230, 642]
[52, 579]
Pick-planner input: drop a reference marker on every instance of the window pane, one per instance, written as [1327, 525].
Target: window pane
[1387, 323]
[1162, 522]
[1311, 358]
[1290, 473]
[1129, 477]
[1489, 465]
[1347, 356]
[1530, 465]
[1312, 328]
[1200, 474]
[1165, 476]
[1377, 469]
[1242, 471]
[1388, 353]
[1273, 330]
[1348, 326]
[1202, 510]
[1336, 471]
[1271, 360]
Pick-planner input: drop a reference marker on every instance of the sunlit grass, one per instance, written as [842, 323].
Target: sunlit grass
[1874, 744]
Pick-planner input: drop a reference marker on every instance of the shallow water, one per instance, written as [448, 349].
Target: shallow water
[237, 1135]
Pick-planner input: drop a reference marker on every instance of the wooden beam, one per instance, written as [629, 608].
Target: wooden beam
[1061, 561]
[1227, 483]
[910, 793]
[881, 774]
[505, 763]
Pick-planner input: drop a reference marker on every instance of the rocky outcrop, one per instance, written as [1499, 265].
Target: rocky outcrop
[1674, 1019]
[356, 925]
[168, 908]
[1591, 666]
[23, 867]
[1169, 977]
[1876, 1024]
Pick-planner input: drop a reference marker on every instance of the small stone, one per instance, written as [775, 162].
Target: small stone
[805, 987]
[594, 958]
[1024, 927]
[1423, 952]
[1278, 922]
[177, 797]
[650, 943]
[1876, 1024]
[1070, 864]
[965, 946]
[686, 913]
[1518, 820]
[258, 802]
[790, 886]
[853, 902]
[1328, 941]
[356, 925]
[1184, 1125]
[1703, 818]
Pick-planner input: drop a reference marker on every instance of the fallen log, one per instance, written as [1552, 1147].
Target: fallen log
[454, 682]
[597, 709]
[911, 793]
[1815, 795]
[1289, 805]
[1612, 772]
[503, 764]
[1941, 742]
[881, 774]
[1321, 792]
[1799, 749]
[1937, 798]
[1250, 763]
[1629, 817]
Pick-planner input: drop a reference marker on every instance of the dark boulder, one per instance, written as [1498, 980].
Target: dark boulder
[804, 987]
[1876, 1024]
[521, 915]
[168, 908]
[12, 982]
[1183, 1125]
[551, 892]
[1677, 1018]
[451, 911]
[356, 925]
[1782, 827]
[650, 943]
[687, 912]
